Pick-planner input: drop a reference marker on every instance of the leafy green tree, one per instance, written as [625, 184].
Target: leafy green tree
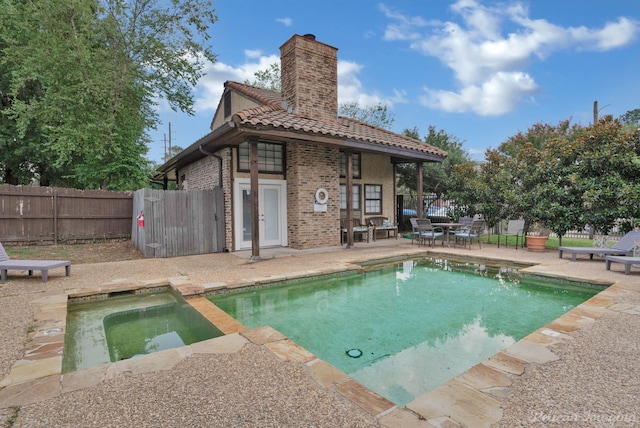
[608, 156]
[97, 67]
[268, 79]
[538, 135]
[174, 150]
[435, 175]
[376, 115]
[631, 117]
[563, 177]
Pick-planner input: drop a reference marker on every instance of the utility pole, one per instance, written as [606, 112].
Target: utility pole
[169, 137]
[596, 111]
[165, 149]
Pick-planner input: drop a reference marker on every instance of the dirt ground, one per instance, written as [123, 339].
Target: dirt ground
[95, 252]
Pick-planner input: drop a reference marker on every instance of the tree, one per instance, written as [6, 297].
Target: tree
[538, 135]
[435, 175]
[376, 115]
[631, 119]
[268, 79]
[173, 151]
[608, 156]
[85, 76]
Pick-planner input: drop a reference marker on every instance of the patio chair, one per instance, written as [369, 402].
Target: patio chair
[514, 228]
[621, 248]
[30, 265]
[415, 234]
[472, 232]
[427, 231]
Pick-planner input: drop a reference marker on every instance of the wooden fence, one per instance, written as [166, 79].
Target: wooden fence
[52, 215]
[178, 222]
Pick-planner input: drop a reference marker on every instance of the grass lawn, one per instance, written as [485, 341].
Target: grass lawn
[552, 242]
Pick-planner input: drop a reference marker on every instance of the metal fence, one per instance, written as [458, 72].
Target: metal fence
[436, 209]
[52, 215]
[178, 222]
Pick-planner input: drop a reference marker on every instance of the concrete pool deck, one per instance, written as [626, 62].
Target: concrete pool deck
[259, 378]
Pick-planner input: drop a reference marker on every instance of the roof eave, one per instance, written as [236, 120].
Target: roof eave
[407, 155]
[193, 151]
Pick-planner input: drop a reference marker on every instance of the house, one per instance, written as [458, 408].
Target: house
[282, 158]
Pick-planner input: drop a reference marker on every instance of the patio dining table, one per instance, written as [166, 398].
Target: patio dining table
[447, 227]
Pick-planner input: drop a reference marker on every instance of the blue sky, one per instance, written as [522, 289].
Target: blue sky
[480, 70]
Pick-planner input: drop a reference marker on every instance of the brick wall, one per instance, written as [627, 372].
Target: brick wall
[201, 175]
[205, 174]
[310, 167]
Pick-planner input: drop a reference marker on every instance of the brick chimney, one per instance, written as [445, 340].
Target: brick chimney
[309, 77]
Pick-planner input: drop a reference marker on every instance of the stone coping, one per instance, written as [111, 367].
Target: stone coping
[470, 399]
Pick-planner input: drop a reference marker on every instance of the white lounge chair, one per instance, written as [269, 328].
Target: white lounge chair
[30, 265]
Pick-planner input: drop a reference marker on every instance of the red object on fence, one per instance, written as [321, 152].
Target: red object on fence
[141, 220]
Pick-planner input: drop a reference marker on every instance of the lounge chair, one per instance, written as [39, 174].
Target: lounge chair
[427, 231]
[514, 228]
[30, 265]
[627, 261]
[623, 247]
[472, 232]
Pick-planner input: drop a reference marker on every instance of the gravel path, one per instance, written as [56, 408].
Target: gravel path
[594, 384]
[249, 388]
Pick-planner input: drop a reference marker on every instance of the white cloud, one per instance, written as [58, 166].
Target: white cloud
[498, 95]
[287, 22]
[350, 89]
[252, 53]
[209, 88]
[488, 64]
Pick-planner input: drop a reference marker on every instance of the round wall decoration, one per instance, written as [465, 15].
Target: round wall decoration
[322, 196]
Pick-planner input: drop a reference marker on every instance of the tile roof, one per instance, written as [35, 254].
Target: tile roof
[273, 113]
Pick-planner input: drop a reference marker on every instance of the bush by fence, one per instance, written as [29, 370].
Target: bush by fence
[52, 215]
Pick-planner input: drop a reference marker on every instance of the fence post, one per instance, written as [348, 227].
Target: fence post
[55, 217]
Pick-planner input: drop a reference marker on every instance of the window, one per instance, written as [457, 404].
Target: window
[270, 157]
[356, 165]
[373, 199]
[356, 197]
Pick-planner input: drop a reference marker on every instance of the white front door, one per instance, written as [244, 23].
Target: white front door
[272, 207]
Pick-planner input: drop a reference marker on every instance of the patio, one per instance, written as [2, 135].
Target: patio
[261, 380]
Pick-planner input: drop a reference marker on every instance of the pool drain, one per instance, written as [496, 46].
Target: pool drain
[354, 353]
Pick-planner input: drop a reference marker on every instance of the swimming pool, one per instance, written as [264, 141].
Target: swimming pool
[117, 328]
[404, 329]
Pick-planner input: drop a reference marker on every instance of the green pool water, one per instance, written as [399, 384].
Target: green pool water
[405, 329]
[114, 329]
